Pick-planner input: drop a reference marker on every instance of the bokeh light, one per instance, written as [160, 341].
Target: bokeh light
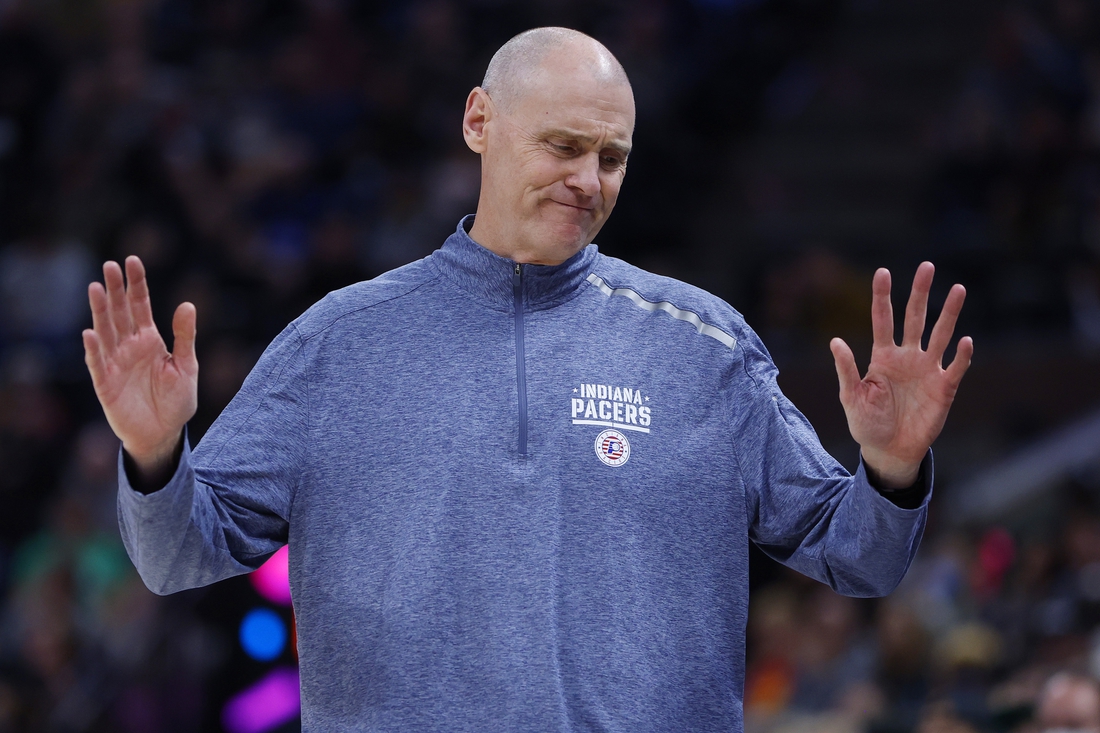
[269, 703]
[263, 634]
[272, 579]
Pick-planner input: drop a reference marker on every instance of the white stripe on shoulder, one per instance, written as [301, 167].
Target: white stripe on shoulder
[704, 328]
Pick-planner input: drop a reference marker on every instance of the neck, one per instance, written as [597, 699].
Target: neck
[494, 240]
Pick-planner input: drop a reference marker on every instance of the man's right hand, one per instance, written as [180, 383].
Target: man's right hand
[147, 394]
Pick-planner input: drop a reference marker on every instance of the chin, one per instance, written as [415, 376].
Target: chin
[565, 241]
[557, 239]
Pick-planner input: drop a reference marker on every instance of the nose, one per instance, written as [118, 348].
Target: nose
[585, 176]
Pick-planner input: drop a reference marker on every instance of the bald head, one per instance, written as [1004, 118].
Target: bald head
[1070, 701]
[519, 60]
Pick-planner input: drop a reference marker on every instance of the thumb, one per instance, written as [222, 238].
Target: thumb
[846, 370]
[183, 330]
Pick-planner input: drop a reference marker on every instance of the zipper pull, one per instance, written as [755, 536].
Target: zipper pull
[517, 275]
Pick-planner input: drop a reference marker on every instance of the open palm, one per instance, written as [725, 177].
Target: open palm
[147, 393]
[898, 408]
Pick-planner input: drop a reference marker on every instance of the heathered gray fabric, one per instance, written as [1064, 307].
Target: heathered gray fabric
[443, 582]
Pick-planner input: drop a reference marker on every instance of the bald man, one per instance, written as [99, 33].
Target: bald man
[518, 478]
[1069, 702]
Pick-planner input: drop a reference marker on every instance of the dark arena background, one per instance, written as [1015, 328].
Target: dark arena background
[260, 153]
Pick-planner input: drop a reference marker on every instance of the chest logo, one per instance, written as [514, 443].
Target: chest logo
[612, 448]
[612, 407]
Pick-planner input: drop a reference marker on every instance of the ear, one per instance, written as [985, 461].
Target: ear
[479, 110]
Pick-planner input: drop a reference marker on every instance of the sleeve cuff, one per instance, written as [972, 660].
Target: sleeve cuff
[183, 467]
[912, 497]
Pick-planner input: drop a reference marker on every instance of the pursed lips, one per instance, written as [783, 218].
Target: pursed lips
[575, 206]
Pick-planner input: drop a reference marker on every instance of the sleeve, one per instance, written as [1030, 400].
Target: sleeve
[226, 509]
[805, 509]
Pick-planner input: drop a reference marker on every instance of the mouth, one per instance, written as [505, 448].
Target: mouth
[575, 206]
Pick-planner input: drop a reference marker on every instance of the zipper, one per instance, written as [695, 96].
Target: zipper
[521, 371]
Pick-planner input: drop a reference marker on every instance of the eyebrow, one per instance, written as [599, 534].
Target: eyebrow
[619, 147]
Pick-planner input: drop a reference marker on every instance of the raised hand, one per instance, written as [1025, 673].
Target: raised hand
[898, 409]
[147, 394]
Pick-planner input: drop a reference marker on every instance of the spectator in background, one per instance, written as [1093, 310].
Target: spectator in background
[40, 294]
[1069, 702]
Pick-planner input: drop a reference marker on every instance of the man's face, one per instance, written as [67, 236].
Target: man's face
[554, 161]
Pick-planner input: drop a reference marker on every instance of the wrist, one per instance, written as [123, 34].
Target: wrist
[889, 473]
[156, 463]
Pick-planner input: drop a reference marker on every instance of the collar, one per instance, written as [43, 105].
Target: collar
[489, 277]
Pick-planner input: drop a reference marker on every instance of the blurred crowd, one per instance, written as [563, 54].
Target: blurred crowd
[1015, 207]
[259, 153]
[993, 629]
[1011, 207]
[996, 628]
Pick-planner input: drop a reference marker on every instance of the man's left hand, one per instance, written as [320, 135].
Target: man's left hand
[898, 409]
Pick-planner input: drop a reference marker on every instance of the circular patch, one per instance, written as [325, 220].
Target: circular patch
[612, 448]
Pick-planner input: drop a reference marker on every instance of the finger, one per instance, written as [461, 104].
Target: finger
[846, 371]
[137, 294]
[116, 300]
[93, 356]
[963, 354]
[183, 329]
[101, 318]
[882, 312]
[945, 324]
[916, 311]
